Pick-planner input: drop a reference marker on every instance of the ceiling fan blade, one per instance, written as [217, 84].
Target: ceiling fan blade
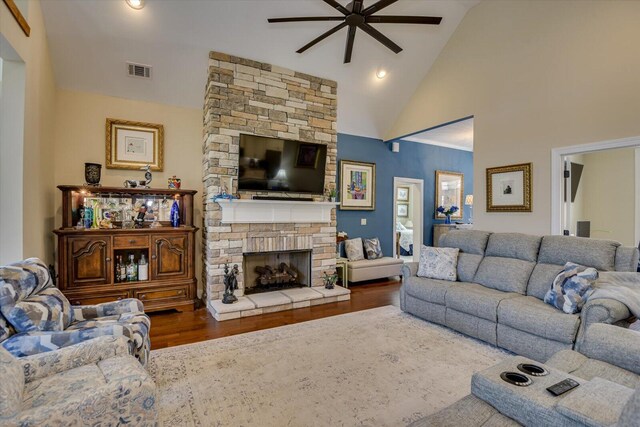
[306, 18]
[356, 6]
[380, 37]
[340, 8]
[378, 6]
[351, 36]
[322, 37]
[433, 20]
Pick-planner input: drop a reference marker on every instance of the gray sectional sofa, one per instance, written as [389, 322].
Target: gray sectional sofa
[502, 280]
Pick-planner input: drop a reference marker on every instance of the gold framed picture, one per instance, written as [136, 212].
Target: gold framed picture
[132, 145]
[357, 186]
[449, 192]
[509, 188]
[402, 195]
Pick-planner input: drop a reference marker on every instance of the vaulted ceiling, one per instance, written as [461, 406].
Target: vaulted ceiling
[91, 41]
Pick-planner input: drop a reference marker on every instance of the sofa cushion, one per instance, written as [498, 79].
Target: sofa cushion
[613, 344]
[578, 364]
[626, 259]
[6, 330]
[430, 290]
[599, 254]
[596, 403]
[468, 411]
[531, 315]
[380, 262]
[542, 278]
[438, 263]
[468, 241]
[11, 385]
[468, 266]
[48, 310]
[504, 274]
[514, 245]
[477, 300]
[629, 416]
[354, 249]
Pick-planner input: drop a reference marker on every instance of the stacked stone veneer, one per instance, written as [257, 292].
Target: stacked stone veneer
[245, 96]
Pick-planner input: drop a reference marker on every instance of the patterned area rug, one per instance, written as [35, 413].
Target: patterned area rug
[378, 367]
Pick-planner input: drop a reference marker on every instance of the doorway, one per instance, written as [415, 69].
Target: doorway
[596, 191]
[408, 218]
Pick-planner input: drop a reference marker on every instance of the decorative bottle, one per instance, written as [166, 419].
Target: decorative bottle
[96, 215]
[123, 269]
[118, 279]
[175, 214]
[132, 270]
[88, 217]
[143, 269]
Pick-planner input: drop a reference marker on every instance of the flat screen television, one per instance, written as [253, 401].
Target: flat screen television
[281, 165]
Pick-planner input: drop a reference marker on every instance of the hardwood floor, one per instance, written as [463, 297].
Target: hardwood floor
[171, 328]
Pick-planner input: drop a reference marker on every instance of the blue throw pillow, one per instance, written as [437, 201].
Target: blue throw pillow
[571, 288]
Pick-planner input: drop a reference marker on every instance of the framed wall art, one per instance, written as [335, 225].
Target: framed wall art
[402, 194]
[132, 145]
[509, 188]
[357, 185]
[402, 210]
[449, 192]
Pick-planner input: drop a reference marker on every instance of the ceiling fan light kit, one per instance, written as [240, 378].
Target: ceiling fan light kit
[381, 73]
[356, 16]
[135, 4]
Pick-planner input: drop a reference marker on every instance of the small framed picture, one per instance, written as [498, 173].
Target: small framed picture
[403, 210]
[307, 156]
[132, 145]
[402, 194]
[357, 185]
[509, 188]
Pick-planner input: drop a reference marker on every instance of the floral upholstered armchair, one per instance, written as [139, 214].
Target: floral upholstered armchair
[35, 317]
[95, 382]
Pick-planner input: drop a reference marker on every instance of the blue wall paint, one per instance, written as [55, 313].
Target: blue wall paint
[414, 160]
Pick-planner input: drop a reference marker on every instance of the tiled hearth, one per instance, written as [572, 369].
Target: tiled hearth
[271, 302]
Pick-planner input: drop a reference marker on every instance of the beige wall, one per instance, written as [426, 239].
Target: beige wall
[79, 136]
[40, 93]
[608, 193]
[536, 75]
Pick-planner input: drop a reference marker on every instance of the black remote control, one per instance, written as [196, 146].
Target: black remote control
[563, 387]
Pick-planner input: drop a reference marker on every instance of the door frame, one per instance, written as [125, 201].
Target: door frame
[557, 175]
[418, 213]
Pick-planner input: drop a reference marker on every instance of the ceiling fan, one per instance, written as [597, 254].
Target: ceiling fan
[356, 16]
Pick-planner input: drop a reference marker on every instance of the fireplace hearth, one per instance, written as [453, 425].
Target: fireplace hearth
[271, 271]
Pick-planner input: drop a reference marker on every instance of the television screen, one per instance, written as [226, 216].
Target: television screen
[273, 164]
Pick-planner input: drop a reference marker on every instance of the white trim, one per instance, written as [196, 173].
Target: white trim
[557, 155]
[637, 184]
[437, 143]
[418, 206]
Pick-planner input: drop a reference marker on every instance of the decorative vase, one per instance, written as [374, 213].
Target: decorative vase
[447, 219]
[92, 173]
[175, 214]
[332, 199]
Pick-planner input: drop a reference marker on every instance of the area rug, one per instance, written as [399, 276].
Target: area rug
[379, 367]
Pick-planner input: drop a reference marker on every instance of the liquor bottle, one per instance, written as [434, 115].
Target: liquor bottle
[175, 214]
[132, 269]
[118, 278]
[122, 269]
[143, 269]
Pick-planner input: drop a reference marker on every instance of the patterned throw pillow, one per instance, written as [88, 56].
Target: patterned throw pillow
[48, 310]
[354, 249]
[372, 248]
[438, 263]
[571, 288]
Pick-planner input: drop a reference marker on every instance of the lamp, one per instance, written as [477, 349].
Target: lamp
[469, 202]
[135, 4]
[408, 224]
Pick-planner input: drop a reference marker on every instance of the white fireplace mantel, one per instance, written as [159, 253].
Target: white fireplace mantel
[274, 211]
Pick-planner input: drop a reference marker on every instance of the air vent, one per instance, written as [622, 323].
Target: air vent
[139, 70]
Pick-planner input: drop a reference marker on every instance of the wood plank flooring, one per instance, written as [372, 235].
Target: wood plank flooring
[171, 328]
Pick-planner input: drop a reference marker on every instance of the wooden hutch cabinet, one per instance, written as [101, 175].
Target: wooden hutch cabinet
[87, 257]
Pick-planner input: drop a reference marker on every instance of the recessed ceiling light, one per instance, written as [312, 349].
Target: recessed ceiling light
[135, 4]
[381, 73]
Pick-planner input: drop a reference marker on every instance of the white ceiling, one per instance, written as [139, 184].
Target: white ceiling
[90, 41]
[458, 135]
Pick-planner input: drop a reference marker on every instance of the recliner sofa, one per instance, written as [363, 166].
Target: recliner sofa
[502, 281]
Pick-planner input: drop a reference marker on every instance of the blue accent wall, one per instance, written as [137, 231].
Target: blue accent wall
[414, 160]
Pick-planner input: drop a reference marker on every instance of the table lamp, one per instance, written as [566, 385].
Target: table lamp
[469, 202]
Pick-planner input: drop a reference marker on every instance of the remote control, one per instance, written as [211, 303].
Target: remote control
[563, 387]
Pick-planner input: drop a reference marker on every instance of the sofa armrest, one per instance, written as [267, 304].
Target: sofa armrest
[604, 311]
[613, 344]
[409, 269]
[87, 312]
[87, 352]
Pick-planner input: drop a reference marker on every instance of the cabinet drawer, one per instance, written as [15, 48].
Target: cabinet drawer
[95, 298]
[132, 241]
[163, 294]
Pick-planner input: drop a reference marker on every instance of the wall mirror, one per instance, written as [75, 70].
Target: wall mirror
[449, 191]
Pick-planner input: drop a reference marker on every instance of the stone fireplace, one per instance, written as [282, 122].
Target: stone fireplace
[250, 97]
[272, 271]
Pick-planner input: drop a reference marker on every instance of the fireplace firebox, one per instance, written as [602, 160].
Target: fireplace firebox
[271, 271]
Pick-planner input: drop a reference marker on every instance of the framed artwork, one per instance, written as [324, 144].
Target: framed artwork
[403, 210]
[307, 156]
[509, 188]
[132, 145]
[357, 185]
[403, 194]
[449, 191]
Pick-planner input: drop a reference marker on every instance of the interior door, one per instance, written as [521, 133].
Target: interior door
[169, 257]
